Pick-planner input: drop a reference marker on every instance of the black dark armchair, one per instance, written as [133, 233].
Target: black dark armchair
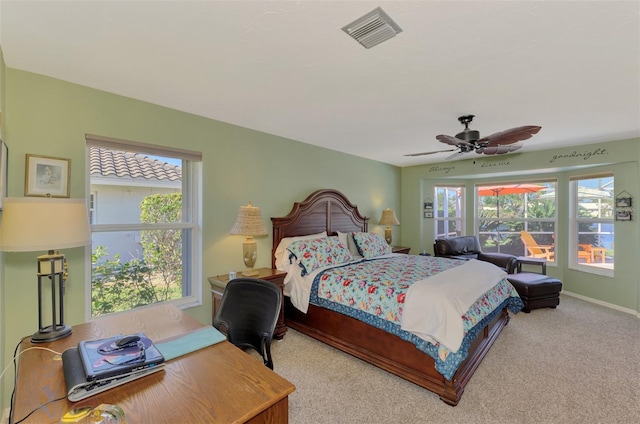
[248, 314]
[468, 247]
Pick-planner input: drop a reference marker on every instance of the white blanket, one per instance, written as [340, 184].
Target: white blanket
[434, 307]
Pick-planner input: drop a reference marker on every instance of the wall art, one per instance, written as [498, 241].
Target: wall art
[4, 152]
[47, 176]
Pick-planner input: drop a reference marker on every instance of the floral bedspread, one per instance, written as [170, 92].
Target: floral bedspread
[374, 290]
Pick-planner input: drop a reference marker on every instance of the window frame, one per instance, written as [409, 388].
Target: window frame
[525, 219]
[191, 224]
[460, 220]
[574, 222]
[93, 200]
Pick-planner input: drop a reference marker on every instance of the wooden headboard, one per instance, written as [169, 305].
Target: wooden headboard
[323, 210]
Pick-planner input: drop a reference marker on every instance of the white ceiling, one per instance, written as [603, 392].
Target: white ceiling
[287, 68]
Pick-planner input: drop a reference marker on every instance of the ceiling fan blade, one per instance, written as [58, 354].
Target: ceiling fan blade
[454, 141]
[509, 136]
[430, 153]
[455, 155]
[499, 149]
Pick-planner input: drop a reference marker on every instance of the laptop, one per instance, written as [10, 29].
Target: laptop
[118, 355]
[99, 365]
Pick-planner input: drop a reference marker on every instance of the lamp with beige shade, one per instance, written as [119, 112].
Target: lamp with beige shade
[34, 224]
[388, 218]
[249, 223]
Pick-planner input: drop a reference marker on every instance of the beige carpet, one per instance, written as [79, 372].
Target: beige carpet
[578, 363]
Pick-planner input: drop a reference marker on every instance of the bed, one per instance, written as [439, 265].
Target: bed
[331, 212]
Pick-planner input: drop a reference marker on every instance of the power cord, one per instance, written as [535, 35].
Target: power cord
[41, 406]
[15, 378]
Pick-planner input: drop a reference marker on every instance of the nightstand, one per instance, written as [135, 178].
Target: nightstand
[400, 249]
[219, 282]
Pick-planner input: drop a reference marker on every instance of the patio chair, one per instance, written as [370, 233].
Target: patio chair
[585, 252]
[536, 250]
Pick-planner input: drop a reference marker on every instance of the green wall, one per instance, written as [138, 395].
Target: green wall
[50, 117]
[621, 157]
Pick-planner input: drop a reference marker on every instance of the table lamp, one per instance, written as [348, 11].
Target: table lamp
[388, 219]
[249, 224]
[31, 224]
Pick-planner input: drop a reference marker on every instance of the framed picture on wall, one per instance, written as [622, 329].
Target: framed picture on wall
[3, 172]
[623, 215]
[47, 176]
[623, 202]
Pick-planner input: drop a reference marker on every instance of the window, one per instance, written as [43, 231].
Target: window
[591, 247]
[449, 207]
[145, 229]
[93, 198]
[517, 218]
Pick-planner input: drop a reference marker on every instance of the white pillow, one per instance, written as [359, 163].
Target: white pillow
[347, 240]
[282, 256]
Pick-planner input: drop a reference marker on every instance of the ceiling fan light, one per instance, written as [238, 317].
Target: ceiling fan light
[500, 149]
[469, 135]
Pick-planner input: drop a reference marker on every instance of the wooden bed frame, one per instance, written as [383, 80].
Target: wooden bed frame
[330, 210]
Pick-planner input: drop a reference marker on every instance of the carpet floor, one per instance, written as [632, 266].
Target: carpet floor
[574, 364]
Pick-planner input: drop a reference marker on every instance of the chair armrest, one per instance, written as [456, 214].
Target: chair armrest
[502, 260]
[466, 247]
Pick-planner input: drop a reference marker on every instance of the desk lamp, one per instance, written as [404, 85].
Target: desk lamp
[31, 224]
[249, 224]
[388, 219]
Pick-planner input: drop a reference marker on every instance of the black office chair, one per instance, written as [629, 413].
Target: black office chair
[248, 314]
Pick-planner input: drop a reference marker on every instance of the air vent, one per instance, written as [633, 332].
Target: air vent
[373, 28]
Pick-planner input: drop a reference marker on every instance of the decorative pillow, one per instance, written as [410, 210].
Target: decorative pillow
[282, 259]
[319, 253]
[347, 240]
[371, 245]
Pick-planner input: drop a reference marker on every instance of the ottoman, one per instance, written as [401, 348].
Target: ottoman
[536, 290]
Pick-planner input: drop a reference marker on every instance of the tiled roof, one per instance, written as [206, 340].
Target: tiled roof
[114, 163]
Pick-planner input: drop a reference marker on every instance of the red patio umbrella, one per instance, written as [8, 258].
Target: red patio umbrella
[504, 189]
[498, 190]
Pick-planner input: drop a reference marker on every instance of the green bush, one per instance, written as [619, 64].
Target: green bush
[157, 277]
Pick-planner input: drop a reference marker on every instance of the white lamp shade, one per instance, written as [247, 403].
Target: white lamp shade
[31, 224]
[249, 222]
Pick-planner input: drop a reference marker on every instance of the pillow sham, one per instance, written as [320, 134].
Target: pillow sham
[282, 258]
[319, 253]
[347, 240]
[371, 245]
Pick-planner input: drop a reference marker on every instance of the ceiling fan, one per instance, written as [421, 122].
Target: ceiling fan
[496, 144]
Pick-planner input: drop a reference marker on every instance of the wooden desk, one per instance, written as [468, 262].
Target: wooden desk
[217, 384]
